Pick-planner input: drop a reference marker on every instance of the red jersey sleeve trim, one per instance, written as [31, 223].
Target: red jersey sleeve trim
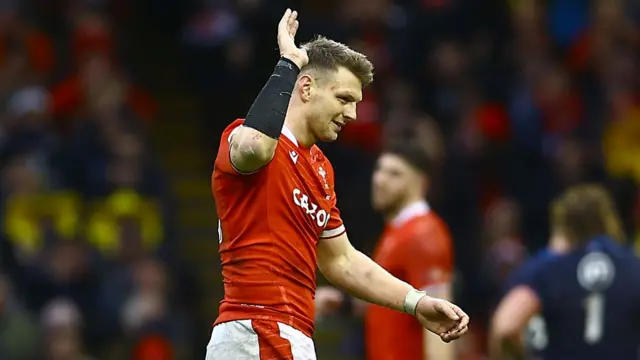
[328, 234]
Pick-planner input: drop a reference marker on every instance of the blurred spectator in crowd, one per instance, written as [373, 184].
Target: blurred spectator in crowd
[67, 272]
[18, 331]
[96, 84]
[137, 299]
[504, 250]
[81, 193]
[62, 325]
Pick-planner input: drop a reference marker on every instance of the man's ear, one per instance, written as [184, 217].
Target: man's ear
[306, 87]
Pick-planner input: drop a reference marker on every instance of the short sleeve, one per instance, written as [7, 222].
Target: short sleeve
[520, 276]
[525, 273]
[335, 226]
[536, 280]
[429, 257]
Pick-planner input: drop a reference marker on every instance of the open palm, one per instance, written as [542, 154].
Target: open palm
[287, 29]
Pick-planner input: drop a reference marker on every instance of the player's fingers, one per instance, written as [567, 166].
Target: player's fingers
[446, 338]
[291, 21]
[446, 308]
[294, 29]
[450, 336]
[283, 25]
[464, 318]
[458, 331]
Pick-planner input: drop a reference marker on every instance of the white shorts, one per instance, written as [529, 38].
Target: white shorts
[258, 340]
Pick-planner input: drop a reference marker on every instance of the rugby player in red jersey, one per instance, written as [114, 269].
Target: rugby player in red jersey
[415, 246]
[275, 197]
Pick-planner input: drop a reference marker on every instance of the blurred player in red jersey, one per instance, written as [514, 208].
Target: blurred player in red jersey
[275, 198]
[415, 247]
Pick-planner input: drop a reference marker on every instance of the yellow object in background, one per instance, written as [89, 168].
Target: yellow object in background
[25, 214]
[104, 227]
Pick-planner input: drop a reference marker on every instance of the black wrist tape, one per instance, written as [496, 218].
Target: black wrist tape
[270, 107]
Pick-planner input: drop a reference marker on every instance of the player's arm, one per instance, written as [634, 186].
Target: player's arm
[509, 320]
[354, 272]
[253, 145]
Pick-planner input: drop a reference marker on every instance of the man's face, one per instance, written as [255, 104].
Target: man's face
[332, 103]
[393, 181]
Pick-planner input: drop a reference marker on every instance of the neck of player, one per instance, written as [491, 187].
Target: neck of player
[299, 127]
[393, 212]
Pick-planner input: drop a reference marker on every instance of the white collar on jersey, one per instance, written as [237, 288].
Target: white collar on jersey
[289, 134]
[409, 212]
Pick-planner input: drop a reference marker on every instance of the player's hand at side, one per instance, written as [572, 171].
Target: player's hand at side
[328, 300]
[442, 318]
[287, 29]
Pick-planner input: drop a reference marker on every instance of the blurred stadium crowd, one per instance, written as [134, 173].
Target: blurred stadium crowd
[514, 100]
[87, 270]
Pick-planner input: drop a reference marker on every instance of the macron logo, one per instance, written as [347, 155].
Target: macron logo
[294, 156]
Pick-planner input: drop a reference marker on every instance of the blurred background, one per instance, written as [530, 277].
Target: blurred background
[111, 112]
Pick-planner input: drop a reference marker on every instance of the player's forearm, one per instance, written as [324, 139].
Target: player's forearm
[361, 277]
[254, 145]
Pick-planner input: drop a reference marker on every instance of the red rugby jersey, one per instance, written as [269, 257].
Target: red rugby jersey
[270, 224]
[415, 247]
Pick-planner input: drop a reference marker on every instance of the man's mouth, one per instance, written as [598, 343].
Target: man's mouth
[339, 125]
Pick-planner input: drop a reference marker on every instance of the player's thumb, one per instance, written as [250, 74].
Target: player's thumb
[304, 55]
[444, 308]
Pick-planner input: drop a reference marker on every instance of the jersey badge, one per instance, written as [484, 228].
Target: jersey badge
[294, 156]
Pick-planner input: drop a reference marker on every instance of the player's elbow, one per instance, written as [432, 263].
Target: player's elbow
[336, 266]
[333, 268]
[254, 151]
[251, 150]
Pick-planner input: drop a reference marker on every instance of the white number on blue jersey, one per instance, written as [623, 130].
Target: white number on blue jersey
[537, 333]
[594, 321]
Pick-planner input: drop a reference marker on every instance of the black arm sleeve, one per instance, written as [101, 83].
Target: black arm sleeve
[270, 107]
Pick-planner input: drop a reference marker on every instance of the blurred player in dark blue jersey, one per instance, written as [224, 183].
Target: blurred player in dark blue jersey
[535, 333]
[589, 297]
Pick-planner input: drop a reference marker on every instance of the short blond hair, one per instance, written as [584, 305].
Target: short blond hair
[327, 54]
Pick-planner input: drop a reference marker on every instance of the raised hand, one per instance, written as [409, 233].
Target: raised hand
[442, 318]
[287, 28]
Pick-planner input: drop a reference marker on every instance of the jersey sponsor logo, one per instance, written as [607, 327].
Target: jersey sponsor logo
[294, 156]
[316, 214]
[596, 271]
